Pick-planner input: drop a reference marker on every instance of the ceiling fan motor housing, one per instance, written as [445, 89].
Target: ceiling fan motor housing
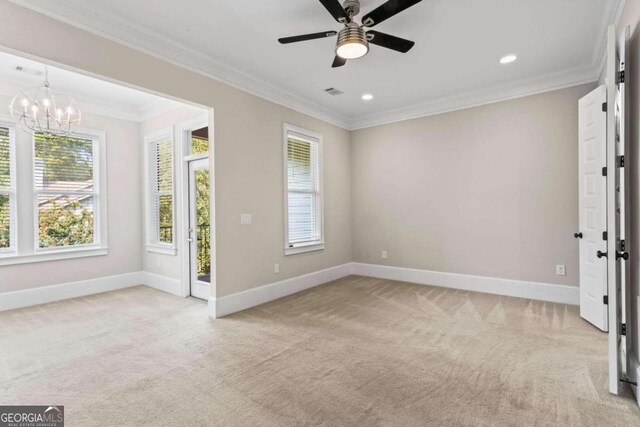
[352, 7]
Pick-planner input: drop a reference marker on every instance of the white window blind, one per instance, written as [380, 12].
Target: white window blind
[161, 196]
[7, 191]
[65, 190]
[303, 185]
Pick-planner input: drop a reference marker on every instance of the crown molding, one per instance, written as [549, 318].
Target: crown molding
[481, 97]
[142, 113]
[167, 49]
[9, 89]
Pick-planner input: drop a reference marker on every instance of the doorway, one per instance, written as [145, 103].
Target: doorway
[199, 234]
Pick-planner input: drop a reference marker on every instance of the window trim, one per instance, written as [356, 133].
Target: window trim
[164, 134]
[12, 192]
[312, 137]
[100, 244]
[53, 255]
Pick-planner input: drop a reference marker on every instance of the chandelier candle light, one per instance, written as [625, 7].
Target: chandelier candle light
[45, 111]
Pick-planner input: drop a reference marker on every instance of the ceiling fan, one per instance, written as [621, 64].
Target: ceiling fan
[353, 40]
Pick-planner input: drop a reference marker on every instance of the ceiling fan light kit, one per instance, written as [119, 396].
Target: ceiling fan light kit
[353, 41]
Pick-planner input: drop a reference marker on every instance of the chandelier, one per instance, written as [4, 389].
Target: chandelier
[45, 111]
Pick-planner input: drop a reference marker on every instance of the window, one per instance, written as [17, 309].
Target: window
[7, 191]
[160, 207]
[200, 140]
[303, 182]
[66, 191]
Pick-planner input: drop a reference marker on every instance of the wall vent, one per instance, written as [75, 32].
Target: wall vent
[333, 91]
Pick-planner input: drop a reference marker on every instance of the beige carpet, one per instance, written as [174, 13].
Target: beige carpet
[357, 351]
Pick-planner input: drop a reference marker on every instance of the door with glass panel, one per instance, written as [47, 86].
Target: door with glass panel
[199, 233]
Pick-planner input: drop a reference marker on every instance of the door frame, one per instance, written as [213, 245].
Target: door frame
[185, 128]
[618, 225]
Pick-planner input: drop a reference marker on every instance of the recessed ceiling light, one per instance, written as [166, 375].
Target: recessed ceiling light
[508, 59]
[367, 97]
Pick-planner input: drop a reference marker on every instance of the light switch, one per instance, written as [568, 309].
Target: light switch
[246, 218]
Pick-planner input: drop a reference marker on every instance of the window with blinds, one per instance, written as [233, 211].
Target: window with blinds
[66, 197]
[161, 197]
[7, 191]
[304, 230]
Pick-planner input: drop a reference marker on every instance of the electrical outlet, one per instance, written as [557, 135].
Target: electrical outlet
[246, 218]
[384, 254]
[276, 268]
[561, 270]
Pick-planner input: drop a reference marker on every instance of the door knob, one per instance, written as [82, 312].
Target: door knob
[577, 235]
[623, 255]
[601, 254]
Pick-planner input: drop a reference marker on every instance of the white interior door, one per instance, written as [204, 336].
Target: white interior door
[592, 136]
[199, 229]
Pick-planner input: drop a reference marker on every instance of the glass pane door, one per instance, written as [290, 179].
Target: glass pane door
[199, 228]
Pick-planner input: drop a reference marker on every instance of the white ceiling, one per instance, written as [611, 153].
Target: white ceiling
[93, 95]
[454, 63]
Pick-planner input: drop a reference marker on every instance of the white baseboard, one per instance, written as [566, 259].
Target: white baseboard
[220, 307]
[45, 294]
[515, 288]
[634, 373]
[62, 291]
[162, 283]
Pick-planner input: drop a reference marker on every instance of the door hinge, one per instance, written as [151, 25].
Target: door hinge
[605, 299]
[604, 107]
[604, 235]
[620, 77]
[620, 161]
[623, 329]
[604, 171]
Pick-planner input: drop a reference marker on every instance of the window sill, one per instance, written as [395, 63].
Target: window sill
[165, 250]
[304, 248]
[51, 255]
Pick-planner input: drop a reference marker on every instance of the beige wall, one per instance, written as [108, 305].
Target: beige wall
[124, 211]
[157, 263]
[488, 191]
[248, 150]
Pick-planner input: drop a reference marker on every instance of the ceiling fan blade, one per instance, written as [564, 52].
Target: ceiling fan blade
[303, 37]
[336, 10]
[389, 41]
[386, 11]
[338, 62]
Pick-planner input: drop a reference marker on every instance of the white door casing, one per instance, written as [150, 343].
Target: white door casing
[617, 193]
[622, 105]
[592, 136]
